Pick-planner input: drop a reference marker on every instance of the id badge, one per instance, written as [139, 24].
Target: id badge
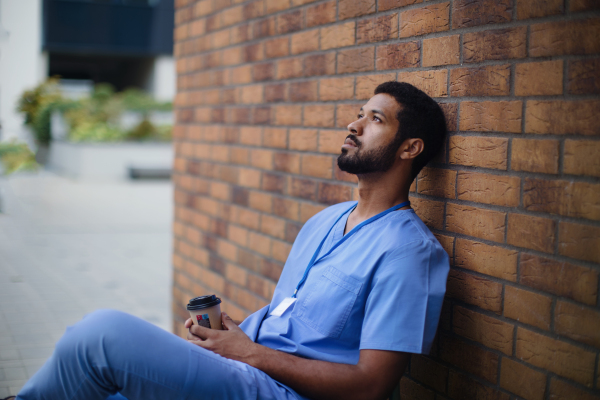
[284, 305]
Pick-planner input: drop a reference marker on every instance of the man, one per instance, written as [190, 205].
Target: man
[361, 290]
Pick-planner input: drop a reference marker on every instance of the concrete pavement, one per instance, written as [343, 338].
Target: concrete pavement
[70, 247]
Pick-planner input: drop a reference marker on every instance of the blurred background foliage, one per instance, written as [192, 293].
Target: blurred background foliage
[96, 118]
[15, 156]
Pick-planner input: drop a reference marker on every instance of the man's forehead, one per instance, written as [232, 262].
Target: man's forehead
[383, 102]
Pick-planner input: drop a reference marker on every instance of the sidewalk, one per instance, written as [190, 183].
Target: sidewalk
[70, 247]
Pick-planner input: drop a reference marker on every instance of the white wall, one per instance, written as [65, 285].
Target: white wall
[22, 63]
[161, 82]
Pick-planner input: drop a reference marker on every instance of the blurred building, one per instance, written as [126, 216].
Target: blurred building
[128, 43]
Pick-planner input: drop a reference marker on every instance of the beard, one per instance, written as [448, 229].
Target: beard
[380, 159]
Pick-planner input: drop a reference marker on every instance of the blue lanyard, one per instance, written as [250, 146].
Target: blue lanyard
[313, 260]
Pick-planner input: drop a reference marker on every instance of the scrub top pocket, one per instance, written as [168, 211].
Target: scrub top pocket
[327, 307]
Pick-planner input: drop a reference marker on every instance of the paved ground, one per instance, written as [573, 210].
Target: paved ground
[70, 247]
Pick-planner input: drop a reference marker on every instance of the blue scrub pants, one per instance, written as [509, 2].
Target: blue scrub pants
[110, 353]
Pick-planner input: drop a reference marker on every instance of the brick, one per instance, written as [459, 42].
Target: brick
[354, 8]
[278, 47]
[489, 260]
[564, 37]
[261, 159]
[489, 331]
[241, 74]
[336, 36]
[263, 28]
[499, 44]
[428, 19]
[288, 115]
[317, 166]
[539, 78]
[431, 373]
[355, 60]
[486, 152]
[434, 83]
[584, 77]
[252, 94]
[579, 241]
[321, 14]
[263, 72]
[486, 116]
[251, 136]
[477, 222]
[574, 199]
[366, 84]
[273, 6]
[397, 56]
[275, 92]
[303, 188]
[559, 357]
[538, 8]
[480, 81]
[481, 363]
[346, 113]
[301, 2]
[475, 290]
[468, 13]
[562, 117]
[431, 212]
[273, 183]
[286, 208]
[581, 157]
[437, 182]
[272, 226]
[289, 68]
[303, 91]
[330, 141]
[377, 29]
[329, 193]
[447, 243]
[336, 89]
[411, 390]
[535, 155]
[319, 64]
[275, 137]
[289, 22]
[489, 189]
[319, 115]
[451, 113]
[444, 50]
[522, 380]
[286, 162]
[461, 387]
[305, 41]
[303, 139]
[559, 278]
[533, 233]
[578, 323]
[560, 390]
[527, 307]
[385, 5]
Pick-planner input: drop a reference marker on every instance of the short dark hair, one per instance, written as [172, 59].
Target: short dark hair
[420, 117]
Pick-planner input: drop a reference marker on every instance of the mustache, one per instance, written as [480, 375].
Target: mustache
[354, 139]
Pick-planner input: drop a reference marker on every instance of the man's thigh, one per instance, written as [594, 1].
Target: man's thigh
[109, 351]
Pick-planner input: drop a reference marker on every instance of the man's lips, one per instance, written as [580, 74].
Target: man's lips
[350, 142]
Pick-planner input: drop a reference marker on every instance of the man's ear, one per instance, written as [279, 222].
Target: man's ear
[411, 148]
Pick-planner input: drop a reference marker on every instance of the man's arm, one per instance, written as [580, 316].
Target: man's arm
[374, 377]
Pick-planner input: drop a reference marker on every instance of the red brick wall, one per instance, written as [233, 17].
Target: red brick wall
[265, 89]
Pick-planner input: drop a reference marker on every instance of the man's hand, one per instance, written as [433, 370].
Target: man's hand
[231, 342]
[312, 378]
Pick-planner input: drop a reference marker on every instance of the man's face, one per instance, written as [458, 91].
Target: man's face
[371, 145]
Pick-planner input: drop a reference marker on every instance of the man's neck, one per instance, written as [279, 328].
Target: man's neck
[376, 193]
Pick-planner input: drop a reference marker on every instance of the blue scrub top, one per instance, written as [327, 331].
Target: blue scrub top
[381, 289]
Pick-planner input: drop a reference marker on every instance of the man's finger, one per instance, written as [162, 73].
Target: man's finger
[188, 323]
[228, 322]
[191, 336]
[200, 331]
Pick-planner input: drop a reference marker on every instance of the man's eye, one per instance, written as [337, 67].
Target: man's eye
[360, 116]
[377, 119]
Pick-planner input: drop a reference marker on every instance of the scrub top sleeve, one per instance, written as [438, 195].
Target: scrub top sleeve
[396, 307]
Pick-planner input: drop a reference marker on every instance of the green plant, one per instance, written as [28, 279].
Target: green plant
[16, 156]
[37, 105]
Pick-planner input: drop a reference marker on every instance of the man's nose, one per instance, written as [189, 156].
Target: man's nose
[355, 127]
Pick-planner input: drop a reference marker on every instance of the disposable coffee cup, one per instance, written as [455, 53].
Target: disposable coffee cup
[206, 311]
